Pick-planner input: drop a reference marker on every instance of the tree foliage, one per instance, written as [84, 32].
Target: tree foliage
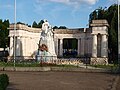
[37, 25]
[4, 32]
[55, 27]
[111, 15]
[34, 24]
[62, 27]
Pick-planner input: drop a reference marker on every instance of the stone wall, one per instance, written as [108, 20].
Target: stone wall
[99, 61]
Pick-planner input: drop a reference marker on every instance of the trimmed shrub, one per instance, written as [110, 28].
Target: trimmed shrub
[4, 81]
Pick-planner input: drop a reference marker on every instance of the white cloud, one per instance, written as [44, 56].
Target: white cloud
[71, 2]
[70, 6]
[76, 4]
[119, 1]
[7, 6]
[90, 1]
[60, 1]
[114, 1]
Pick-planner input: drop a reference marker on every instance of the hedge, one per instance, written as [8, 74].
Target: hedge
[4, 81]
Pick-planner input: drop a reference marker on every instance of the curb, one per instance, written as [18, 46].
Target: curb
[53, 69]
[25, 69]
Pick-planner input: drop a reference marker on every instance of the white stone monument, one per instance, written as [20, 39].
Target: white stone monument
[46, 48]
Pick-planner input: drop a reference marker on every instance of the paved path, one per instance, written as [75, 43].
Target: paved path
[60, 81]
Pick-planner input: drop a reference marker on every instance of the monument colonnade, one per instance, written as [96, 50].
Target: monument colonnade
[26, 40]
[59, 43]
[104, 46]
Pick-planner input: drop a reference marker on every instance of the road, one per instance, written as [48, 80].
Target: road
[59, 81]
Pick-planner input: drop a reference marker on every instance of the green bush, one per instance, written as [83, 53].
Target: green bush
[4, 81]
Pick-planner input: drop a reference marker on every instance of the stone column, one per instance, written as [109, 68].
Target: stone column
[27, 46]
[61, 47]
[82, 46]
[30, 43]
[34, 45]
[94, 46]
[104, 47]
[56, 46]
[18, 46]
[11, 46]
[79, 40]
[88, 44]
[23, 45]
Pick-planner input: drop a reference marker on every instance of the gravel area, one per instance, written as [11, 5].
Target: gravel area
[60, 81]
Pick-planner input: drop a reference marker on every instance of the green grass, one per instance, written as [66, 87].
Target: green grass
[22, 64]
[109, 66]
[35, 64]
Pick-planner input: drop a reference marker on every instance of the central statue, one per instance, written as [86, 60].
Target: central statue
[46, 48]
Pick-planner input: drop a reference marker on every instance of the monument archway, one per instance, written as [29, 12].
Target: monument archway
[70, 46]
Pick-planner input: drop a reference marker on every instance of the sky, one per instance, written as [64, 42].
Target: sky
[69, 13]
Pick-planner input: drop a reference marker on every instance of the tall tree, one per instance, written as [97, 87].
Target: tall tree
[40, 24]
[4, 32]
[62, 27]
[55, 27]
[34, 24]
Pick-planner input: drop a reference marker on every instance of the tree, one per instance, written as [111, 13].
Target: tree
[97, 14]
[34, 24]
[62, 27]
[55, 27]
[40, 24]
[4, 32]
[21, 23]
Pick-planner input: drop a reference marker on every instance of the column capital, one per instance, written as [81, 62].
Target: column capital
[94, 34]
[61, 38]
[78, 38]
[104, 34]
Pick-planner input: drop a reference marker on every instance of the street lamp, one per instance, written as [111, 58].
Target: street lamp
[14, 43]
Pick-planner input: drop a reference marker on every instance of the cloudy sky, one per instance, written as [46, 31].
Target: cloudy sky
[69, 13]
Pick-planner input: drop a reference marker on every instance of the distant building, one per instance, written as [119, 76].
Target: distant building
[89, 42]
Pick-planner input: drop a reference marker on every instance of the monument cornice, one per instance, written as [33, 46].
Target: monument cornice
[25, 28]
[70, 31]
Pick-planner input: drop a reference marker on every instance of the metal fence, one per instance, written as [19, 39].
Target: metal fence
[42, 61]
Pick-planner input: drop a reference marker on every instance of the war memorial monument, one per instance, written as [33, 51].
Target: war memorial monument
[32, 43]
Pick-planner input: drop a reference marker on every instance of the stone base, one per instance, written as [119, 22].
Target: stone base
[19, 58]
[46, 58]
[99, 61]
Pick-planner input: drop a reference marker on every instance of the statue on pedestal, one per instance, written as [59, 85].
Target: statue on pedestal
[46, 47]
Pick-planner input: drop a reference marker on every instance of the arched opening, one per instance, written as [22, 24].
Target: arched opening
[70, 47]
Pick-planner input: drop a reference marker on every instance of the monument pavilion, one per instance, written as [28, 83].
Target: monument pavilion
[91, 42]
